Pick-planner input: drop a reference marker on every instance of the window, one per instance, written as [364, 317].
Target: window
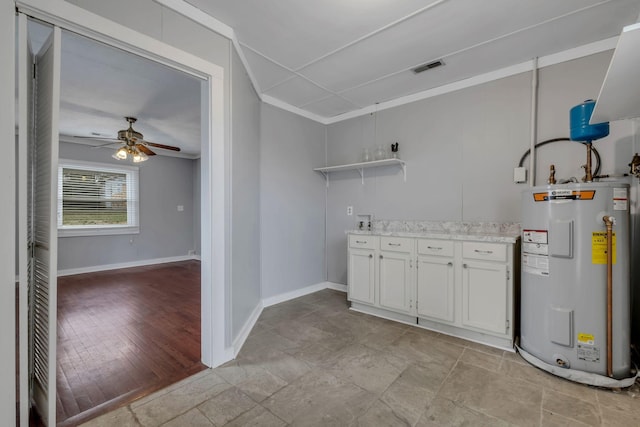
[95, 199]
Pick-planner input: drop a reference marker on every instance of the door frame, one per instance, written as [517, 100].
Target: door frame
[214, 154]
[7, 216]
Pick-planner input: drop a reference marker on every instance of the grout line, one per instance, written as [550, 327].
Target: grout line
[133, 414]
[541, 405]
[373, 33]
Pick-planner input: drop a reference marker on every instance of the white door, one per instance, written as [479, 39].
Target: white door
[435, 288]
[43, 278]
[361, 276]
[394, 280]
[484, 296]
[24, 154]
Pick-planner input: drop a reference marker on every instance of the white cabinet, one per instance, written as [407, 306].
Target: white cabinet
[361, 269]
[484, 296]
[460, 288]
[395, 278]
[435, 279]
[435, 288]
[485, 284]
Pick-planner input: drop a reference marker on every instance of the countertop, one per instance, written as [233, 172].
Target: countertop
[469, 231]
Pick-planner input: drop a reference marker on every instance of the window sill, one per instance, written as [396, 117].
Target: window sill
[97, 231]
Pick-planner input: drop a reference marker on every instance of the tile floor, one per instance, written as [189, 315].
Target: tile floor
[311, 361]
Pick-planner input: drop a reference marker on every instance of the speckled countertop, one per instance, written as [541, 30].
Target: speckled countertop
[507, 232]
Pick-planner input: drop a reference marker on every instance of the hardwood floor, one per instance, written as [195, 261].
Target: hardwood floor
[123, 334]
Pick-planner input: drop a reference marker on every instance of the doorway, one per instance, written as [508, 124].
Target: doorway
[211, 184]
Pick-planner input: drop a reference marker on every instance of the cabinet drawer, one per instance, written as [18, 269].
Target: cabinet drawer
[362, 241]
[485, 251]
[396, 244]
[435, 247]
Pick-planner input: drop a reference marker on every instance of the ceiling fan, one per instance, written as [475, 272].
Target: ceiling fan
[134, 146]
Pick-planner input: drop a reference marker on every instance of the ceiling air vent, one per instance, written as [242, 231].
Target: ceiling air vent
[428, 66]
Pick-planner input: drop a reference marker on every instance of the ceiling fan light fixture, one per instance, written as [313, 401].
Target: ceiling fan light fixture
[121, 154]
[139, 157]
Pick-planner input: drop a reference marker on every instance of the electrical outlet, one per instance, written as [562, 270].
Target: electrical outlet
[349, 210]
[180, 208]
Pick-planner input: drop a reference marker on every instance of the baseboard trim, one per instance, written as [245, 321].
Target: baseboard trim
[139, 263]
[246, 329]
[286, 296]
[337, 286]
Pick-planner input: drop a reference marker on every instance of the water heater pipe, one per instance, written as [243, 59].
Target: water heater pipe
[534, 122]
[608, 220]
[588, 176]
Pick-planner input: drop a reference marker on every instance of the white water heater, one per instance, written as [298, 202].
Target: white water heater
[564, 313]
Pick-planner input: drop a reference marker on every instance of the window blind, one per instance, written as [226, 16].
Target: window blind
[96, 196]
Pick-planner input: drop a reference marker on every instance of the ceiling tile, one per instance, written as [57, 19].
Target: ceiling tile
[331, 106]
[440, 31]
[294, 32]
[556, 36]
[266, 72]
[297, 92]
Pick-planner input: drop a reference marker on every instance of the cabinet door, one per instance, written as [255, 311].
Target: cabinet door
[435, 288]
[361, 276]
[484, 296]
[394, 280]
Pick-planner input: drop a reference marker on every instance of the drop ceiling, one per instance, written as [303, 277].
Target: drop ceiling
[332, 57]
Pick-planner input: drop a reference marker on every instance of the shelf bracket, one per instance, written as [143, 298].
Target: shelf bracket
[403, 165]
[326, 178]
[361, 170]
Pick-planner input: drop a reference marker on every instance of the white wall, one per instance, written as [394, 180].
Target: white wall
[461, 149]
[245, 197]
[164, 183]
[292, 201]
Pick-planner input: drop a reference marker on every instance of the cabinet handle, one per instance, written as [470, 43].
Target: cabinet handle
[482, 252]
[370, 255]
[450, 264]
[361, 241]
[464, 265]
[434, 248]
[410, 263]
[393, 244]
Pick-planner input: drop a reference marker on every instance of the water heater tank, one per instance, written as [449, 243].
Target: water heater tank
[580, 129]
[564, 276]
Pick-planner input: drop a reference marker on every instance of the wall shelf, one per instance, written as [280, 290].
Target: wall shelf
[360, 167]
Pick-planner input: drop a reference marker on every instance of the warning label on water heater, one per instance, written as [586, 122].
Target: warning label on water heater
[599, 247]
[620, 199]
[535, 252]
[588, 353]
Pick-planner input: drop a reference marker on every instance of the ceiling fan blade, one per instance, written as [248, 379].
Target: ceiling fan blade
[100, 138]
[145, 150]
[114, 143]
[165, 147]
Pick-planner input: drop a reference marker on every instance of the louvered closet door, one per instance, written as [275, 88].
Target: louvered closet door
[25, 155]
[44, 279]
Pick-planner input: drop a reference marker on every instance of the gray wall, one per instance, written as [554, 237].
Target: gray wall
[292, 206]
[245, 197]
[165, 183]
[461, 149]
